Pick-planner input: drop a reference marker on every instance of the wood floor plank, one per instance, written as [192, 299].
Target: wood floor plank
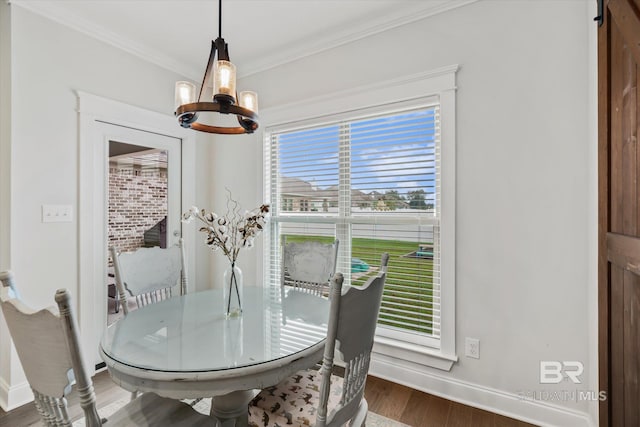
[437, 412]
[22, 416]
[459, 415]
[416, 411]
[480, 418]
[374, 392]
[394, 408]
[501, 421]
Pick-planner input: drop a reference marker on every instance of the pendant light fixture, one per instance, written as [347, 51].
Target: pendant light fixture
[225, 99]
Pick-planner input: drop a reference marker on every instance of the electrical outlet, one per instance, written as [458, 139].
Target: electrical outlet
[472, 347]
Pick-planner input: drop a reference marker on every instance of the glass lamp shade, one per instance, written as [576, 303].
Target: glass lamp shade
[224, 82]
[249, 100]
[185, 93]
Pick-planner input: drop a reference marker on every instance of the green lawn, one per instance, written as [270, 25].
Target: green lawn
[408, 294]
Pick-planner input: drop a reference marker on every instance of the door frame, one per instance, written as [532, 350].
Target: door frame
[92, 195]
[622, 13]
[603, 220]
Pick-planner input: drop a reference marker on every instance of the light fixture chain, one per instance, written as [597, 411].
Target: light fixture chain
[220, 18]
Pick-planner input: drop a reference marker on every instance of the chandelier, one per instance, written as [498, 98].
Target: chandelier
[225, 98]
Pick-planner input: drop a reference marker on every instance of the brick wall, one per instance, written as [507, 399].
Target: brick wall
[137, 202]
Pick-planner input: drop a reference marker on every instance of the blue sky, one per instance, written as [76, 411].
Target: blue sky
[387, 153]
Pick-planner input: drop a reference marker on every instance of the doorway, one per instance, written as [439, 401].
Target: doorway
[142, 174]
[103, 120]
[138, 206]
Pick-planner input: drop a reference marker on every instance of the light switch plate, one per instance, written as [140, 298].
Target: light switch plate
[57, 213]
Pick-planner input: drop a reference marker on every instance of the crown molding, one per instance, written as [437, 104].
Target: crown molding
[310, 47]
[51, 11]
[301, 49]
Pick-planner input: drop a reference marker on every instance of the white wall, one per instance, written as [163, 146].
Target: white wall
[522, 184]
[5, 130]
[49, 63]
[6, 372]
[235, 166]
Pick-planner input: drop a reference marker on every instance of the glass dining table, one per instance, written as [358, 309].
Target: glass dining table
[184, 347]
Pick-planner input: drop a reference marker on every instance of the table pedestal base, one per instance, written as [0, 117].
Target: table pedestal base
[231, 410]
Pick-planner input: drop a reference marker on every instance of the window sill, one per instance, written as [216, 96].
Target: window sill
[399, 352]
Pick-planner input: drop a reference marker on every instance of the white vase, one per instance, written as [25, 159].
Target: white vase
[232, 291]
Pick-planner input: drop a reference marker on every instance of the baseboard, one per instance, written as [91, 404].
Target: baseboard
[13, 397]
[496, 401]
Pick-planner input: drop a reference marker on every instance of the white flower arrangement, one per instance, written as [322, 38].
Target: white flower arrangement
[231, 232]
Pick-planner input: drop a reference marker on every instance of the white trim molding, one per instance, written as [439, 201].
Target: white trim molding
[331, 40]
[65, 16]
[14, 396]
[433, 86]
[413, 353]
[294, 51]
[489, 399]
[92, 253]
[402, 89]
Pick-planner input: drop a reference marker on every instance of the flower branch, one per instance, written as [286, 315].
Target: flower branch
[232, 231]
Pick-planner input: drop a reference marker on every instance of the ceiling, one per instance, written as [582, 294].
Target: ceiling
[129, 156]
[261, 34]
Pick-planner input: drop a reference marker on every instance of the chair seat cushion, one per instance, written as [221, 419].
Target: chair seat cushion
[150, 409]
[293, 402]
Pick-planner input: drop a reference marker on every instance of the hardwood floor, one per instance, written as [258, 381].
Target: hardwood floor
[419, 409]
[391, 400]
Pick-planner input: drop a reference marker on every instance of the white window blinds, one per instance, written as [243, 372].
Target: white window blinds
[374, 184]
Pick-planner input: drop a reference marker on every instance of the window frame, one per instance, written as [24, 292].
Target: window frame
[386, 98]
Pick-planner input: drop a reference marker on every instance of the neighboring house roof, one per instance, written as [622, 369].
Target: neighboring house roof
[297, 188]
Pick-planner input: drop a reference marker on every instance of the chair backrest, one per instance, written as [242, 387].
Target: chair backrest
[350, 333]
[49, 351]
[309, 265]
[149, 274]
[8, 281]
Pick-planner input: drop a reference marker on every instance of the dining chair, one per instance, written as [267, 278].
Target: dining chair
[309, 265]
[306, 397]
[149, 275]
[8, 281]
[49, 350]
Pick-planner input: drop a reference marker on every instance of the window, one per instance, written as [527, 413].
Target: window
[373, 178]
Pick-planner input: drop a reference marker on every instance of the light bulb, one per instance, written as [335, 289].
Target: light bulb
[249, 100]
[224, 81]
[185, 93]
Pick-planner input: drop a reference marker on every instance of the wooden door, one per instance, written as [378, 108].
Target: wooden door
[619, 212]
